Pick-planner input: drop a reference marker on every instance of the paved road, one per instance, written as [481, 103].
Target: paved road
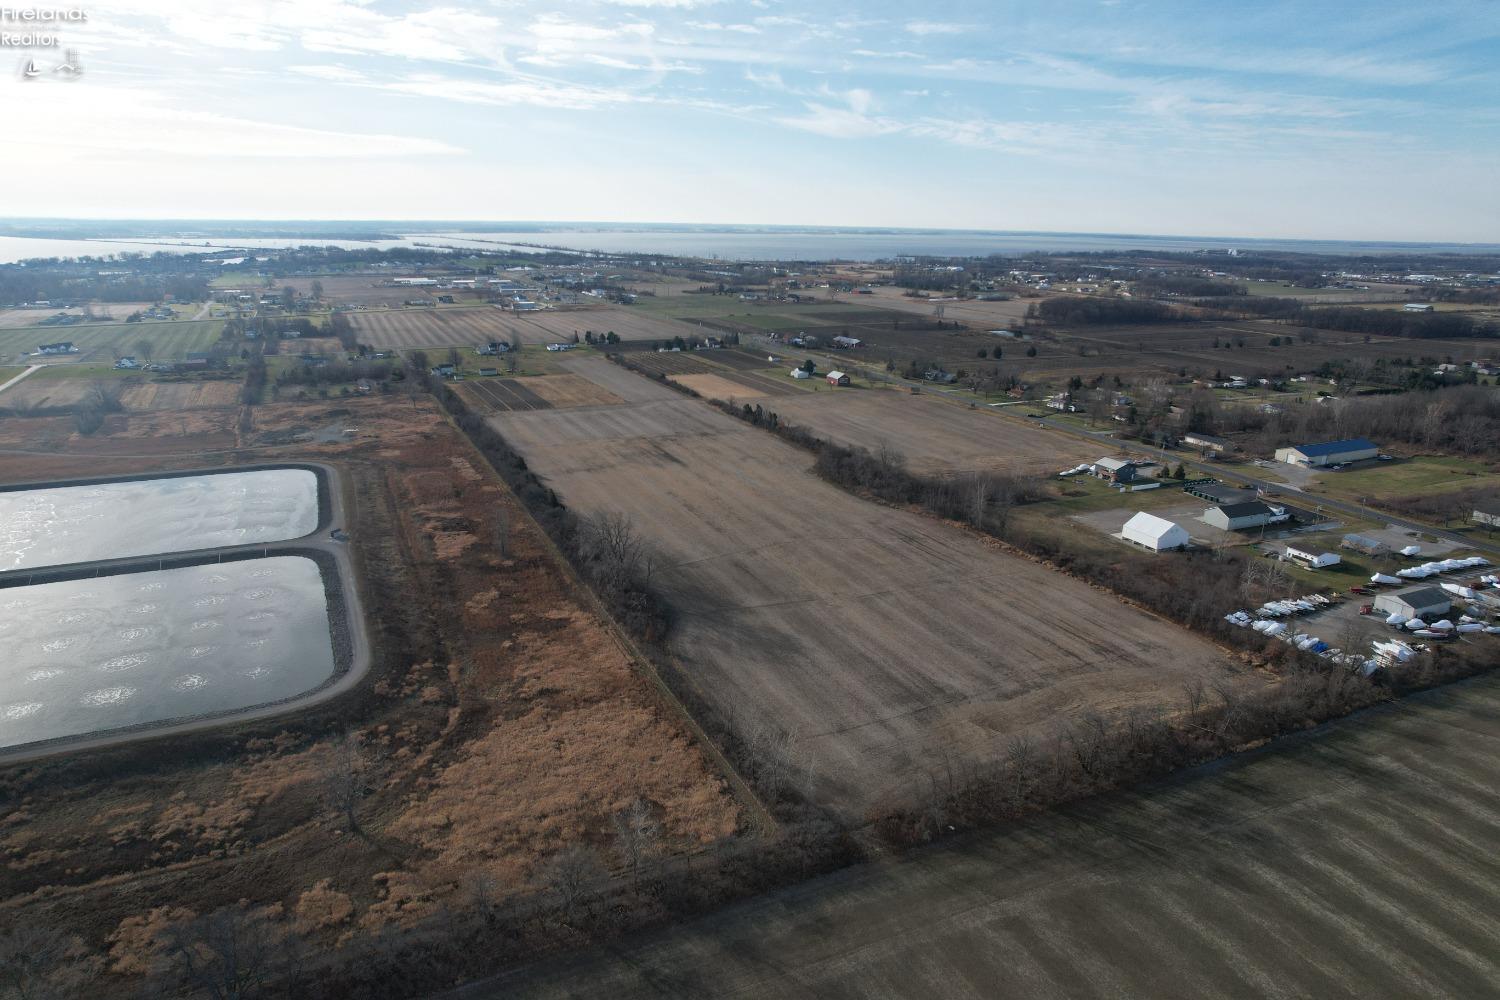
[1357, 860]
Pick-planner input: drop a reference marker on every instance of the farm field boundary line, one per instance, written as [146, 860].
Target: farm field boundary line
[762, 819]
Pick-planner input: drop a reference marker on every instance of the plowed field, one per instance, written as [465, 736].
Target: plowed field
[890, 645]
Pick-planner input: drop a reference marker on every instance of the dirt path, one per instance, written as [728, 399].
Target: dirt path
[28, 371]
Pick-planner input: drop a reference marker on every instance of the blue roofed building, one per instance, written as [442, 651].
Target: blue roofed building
[1328, 453]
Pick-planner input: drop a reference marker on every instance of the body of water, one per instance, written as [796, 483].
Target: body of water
[739, 244]
[73, 524]
[92, 656]
[867, 246]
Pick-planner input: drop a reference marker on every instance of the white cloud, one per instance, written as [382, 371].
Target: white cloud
[123, 123]
[744, 29]
[936, 28]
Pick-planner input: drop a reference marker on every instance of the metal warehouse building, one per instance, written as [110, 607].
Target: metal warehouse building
[1238, 516]
[1415, 603]
[1328, 453]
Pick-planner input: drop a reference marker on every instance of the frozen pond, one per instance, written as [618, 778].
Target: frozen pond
[137, 517]
[87, 656]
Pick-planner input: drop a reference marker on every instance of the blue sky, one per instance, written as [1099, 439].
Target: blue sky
[1354, 121]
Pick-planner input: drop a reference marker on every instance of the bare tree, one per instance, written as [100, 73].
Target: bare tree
[1193, 692]
[232, 954]
[637, 834]
[1020, 755]
[345, 777]
[502, 533]
[979, 498]
[37, 963]
[572, 877]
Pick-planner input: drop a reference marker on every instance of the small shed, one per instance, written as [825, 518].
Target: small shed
[838, 378]
[1415, 603]
[800, 373]
[1154, 533]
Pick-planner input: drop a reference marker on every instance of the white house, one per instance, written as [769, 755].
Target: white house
[801, 373]
[1418, 307]
[1155, 533]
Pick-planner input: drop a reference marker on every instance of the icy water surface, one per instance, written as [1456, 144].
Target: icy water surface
[85, 656]
[72, 524]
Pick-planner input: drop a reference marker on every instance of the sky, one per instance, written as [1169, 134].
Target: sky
[1334, 120]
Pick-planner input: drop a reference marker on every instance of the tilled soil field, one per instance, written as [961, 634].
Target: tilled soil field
[889, 645]
[501, 395]
[1354, 862]
[706, 375]
[626, 323]
[180, 395]
[934, 435]
[409, 329]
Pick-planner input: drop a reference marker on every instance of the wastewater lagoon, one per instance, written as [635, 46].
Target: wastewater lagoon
[53, 526]
[111, 653]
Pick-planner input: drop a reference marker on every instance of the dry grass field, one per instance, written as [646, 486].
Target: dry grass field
[934, 435]
[114, 311]
[570, 390]
[1355, 861]
[180, 395]
[503, 720]
[48, 393]
[889, 645]
[719, 386]
[410, 329]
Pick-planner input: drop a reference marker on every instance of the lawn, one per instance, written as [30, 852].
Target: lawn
[1407, 476]
[79, 371]
[97, 341]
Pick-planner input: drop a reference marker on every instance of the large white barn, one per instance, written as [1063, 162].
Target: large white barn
[1155, 533]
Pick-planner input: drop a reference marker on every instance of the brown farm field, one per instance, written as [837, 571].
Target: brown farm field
[503, 720]
[180, 395]
[1352, 862]
[887, 645]
[980, 315]
[719, 386]
[410, 329]
[549, 326]
[360, 289]
[934, 435]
